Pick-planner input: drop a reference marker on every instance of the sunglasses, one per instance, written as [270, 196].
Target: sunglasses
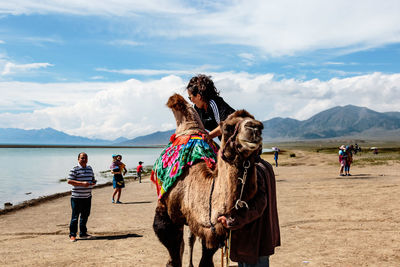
[191, 96]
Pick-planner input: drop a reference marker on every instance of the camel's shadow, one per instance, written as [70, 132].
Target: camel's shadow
[111, 237]
[137, 202]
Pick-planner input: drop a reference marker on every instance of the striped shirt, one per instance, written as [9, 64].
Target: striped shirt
[81, 174]
[217, 111]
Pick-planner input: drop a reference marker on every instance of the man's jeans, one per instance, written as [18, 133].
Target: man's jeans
[80, 206]
[263, 261]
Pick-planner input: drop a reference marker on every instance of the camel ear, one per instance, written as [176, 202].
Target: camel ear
[227, 129]
[228, 126]
[177, 102]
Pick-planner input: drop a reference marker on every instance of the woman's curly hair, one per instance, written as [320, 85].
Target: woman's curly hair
[203, 85]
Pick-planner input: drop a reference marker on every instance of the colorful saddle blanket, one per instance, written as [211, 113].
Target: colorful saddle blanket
[180, 153]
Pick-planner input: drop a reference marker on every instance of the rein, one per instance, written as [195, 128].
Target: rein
[240, 203]
[210, 205]
[231, 140]
[246, 165]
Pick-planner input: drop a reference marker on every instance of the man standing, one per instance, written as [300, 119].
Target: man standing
[255, 230]
[276, 158]
[81, 177]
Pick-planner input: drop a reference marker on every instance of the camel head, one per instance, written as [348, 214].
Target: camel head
[187, 119]
[241, 136]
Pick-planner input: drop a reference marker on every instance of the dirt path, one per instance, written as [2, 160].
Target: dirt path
[325, 220]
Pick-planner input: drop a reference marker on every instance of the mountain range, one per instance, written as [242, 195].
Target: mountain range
[49, 136]
[340, 121]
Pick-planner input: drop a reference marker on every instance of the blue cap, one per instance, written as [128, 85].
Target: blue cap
[114, 155]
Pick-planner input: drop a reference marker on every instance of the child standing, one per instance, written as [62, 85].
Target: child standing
[139, 170]
[118, 169]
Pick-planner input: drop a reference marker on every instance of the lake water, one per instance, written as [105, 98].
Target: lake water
[28, 173]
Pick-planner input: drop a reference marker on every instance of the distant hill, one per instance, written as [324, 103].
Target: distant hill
[119, 140]
[47, 136]
[341, 121]
[393, 114]
[335, 122]
[280, 128]
[157, 138]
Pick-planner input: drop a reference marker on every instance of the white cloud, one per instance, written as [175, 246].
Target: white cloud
[146, 72]
[153, 72]
[97, 77]
[100, 7]
[333, 63]
[133, 108]
[11, 68]
[276, 28]
[41, 41]
[2, 42]
[247, 58]
[101, 110]
[125, 43]
[287, 27]
[25, 96]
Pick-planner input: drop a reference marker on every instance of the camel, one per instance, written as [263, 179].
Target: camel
[201, 195]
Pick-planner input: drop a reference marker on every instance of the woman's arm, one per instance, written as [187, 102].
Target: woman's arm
[116, 172]
[214, 133]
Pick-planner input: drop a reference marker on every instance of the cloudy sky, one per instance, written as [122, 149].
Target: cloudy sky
[105, 69]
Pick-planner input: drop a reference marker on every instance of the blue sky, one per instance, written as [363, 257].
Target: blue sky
[105, 69]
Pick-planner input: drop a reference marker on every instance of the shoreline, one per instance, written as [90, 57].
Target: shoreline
[43, 199]
[39, 200]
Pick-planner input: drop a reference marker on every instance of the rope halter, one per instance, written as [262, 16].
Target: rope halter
[240, 203]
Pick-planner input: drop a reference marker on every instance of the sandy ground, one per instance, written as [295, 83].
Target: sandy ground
[325, 220]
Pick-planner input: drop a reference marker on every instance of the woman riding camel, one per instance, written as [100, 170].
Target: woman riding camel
[211, 108]
[260, 221]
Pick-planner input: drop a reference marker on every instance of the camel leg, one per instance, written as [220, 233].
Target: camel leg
[192, 240]
[170, 235]
[207, 256]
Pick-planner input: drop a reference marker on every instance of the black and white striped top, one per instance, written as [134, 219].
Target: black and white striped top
[80, 174]
[218, 110]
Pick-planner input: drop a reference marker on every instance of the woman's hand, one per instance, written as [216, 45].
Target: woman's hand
[223, 221]
[215, 133]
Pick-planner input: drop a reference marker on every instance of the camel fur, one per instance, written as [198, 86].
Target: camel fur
[187, 202]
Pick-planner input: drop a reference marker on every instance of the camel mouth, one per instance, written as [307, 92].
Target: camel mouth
[251, 144]
[250, 135]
